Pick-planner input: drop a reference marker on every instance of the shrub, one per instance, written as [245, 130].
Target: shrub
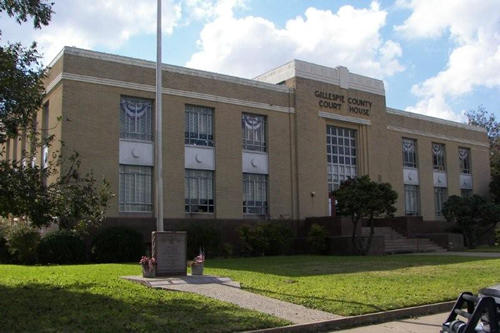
[205, 237]
[22, 242]
[4, 250]
[268, 238]
[316, 239]
[61, 247]
[117, 244]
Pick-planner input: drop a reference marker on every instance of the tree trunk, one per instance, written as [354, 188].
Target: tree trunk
[355, 245]
[368, 243]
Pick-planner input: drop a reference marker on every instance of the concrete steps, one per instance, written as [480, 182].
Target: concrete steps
[397, 243]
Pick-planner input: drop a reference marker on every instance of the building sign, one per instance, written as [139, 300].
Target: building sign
[334, 101]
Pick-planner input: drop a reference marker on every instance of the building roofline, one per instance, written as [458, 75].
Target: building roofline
[435, 119]
[166, 67]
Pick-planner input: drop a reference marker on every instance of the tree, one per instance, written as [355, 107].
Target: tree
[21, 74]
[480, 117]
[72, 201]
[361, 198]
[474, 216]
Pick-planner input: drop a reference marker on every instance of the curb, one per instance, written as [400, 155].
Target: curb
[364, 320]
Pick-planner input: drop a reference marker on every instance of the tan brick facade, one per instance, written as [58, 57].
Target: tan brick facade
[84, 90]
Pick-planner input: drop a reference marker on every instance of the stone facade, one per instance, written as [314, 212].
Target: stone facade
[298, 100]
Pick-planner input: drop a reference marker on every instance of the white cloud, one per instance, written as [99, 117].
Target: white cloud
[474, 27]
[250, 45]
[88, 24]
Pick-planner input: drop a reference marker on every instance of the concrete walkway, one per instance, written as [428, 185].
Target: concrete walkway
[462, 254]
[226, 290]
[425, 324]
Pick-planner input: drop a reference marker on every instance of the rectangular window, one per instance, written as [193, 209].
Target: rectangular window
[409, 153]
[254, 132]
[135, 119]
[341, 155]
[254, 194]
[466, 193]
[464, 160]
[438, 157]
[199, 191]
[199, 129]
[440, 197]
[412, 200]
[135, 188]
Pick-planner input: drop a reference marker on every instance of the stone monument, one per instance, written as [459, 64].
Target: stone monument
[169, 249]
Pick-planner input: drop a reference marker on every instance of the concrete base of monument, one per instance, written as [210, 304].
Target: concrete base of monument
[169, 250]
[159, 282]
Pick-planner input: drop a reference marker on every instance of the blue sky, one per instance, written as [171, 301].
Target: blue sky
[436, 57]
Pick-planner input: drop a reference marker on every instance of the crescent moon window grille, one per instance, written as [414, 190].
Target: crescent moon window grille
[199, 191]
[198, 126]
[255, 194]
[409, 153]
[135, 119]
[464, 160]
[438, 157]
[135, 188]
[254, 132]
[440, 197]
[412, 200]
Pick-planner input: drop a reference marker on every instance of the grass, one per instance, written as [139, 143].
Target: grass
[94, 298]
[357, 285]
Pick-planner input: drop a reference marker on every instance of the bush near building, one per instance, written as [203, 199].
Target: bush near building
[117, 244]
[473, 216]
[61, 247]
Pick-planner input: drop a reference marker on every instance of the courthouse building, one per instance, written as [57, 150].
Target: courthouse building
[233, 148]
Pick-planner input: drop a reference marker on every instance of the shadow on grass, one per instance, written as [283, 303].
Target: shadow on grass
[300, 266]
[78, 307]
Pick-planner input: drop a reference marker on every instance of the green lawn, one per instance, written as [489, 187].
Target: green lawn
[356, 285]
[93, 298]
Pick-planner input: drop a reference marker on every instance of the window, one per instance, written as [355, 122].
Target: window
[135, 119]
[466, 193]
[438, 157]
[409, 153]
[341, 155]
[412, 202]
[135, 188]
[254, 132]
[464, 160]
[440, 197]
[198, 126]
[254, 194]
[199, 191]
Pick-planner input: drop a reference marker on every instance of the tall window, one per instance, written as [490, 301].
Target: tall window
[198, 126]
[254, 132]
[199, 191]
[412, 200]
[440, 197]
[135, 188]
[135, 119]
[254, 194]
[438, 157]
[409, 153]
[464, 160]
[341, 155]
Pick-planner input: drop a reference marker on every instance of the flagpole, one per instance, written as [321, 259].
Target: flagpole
[158, 134]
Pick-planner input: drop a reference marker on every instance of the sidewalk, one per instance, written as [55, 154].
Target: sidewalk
[226, 290]
[425, 324]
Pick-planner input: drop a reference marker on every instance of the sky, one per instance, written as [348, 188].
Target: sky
[436, 57]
